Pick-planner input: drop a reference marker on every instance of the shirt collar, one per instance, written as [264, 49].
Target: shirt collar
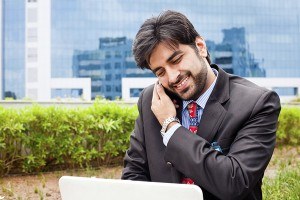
[202, 100]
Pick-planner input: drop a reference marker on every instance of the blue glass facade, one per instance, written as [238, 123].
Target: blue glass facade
[248, 38]
[13, 49]
[271, 28]
[255, 38]
[107, 65]
[233, 54]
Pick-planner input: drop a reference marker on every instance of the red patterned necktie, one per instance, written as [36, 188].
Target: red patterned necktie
[193, 109]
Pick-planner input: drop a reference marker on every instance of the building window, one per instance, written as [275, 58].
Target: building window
[108, 88]
[135, 92]
[32, 55]
[128, 53]
[96, 88]
[118, 88]
[118, 54]
[32, 75]
[108, 77]
[107, 54]
[32, 15]
[118, 76]
[107, 66]
[32, 34]
[66, 93]
[117, 65]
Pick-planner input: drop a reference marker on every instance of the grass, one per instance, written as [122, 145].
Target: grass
[285, 185]
[39, 192]
[282, 179]
[8, 189]
[284, 182]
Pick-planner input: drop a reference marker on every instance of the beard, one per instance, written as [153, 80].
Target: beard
[195, 89]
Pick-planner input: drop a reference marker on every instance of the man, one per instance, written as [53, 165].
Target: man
[225, 135]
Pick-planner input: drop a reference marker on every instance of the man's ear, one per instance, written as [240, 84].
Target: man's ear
[201, 46]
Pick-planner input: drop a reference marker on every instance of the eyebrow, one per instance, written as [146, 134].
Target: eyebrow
[174, 55]
[168, 60]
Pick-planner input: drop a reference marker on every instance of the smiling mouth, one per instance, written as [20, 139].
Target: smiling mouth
[180, 85]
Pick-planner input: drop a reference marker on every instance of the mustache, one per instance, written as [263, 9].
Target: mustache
[178, 79]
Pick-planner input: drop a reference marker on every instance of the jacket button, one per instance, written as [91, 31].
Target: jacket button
[169, 163]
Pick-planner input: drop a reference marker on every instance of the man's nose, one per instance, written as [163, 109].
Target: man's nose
[173, 74]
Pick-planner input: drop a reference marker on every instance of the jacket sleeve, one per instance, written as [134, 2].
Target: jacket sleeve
[135, 161]
[233, 175]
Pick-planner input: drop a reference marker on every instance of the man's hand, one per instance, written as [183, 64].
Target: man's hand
[162, 106]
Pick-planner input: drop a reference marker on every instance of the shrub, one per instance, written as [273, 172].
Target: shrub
[11, 138]
[289, 126]
[37, 138]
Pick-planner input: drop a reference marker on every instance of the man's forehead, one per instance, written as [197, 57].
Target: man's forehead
[168, 47]
[171, 45]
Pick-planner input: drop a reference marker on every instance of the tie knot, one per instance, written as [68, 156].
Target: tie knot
[192, 109]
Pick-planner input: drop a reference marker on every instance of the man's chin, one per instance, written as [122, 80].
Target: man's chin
[188, 95]
[185, 96]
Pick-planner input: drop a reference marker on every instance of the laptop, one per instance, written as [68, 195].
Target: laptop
[84, 188]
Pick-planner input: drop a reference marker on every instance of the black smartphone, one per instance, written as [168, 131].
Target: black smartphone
[172, 95]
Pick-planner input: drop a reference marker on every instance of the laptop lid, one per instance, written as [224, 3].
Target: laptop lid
[83, 188]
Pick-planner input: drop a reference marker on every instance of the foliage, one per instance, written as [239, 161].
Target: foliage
[296, 100]
[289, 126]
[36, 138]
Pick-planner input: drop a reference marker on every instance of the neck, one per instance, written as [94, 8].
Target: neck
[210, 79]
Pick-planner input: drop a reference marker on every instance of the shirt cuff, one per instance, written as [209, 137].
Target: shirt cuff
[169, 133]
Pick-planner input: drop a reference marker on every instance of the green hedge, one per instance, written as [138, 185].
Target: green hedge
[36, 138]
[288, 132]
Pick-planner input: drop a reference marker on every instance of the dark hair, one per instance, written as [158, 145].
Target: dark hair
[170, 27]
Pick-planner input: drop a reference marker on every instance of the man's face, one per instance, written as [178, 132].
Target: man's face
[182, 70]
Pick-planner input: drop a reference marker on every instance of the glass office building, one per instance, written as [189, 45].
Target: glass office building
[252, 39]
[107, 65]
[13, 48]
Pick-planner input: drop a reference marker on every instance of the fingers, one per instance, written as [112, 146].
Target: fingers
[175, 103]
[160, 91]
[162, 106]
[155, 95]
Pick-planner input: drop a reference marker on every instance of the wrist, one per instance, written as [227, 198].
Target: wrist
[171, 125]
[166, 124]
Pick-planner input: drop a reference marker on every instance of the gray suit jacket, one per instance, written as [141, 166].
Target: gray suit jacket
[239, 115]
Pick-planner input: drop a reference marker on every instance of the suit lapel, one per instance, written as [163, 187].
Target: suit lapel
[211, 119]
[214, 112]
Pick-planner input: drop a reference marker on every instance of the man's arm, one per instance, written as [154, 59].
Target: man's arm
[135, 161]
[233, 175]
